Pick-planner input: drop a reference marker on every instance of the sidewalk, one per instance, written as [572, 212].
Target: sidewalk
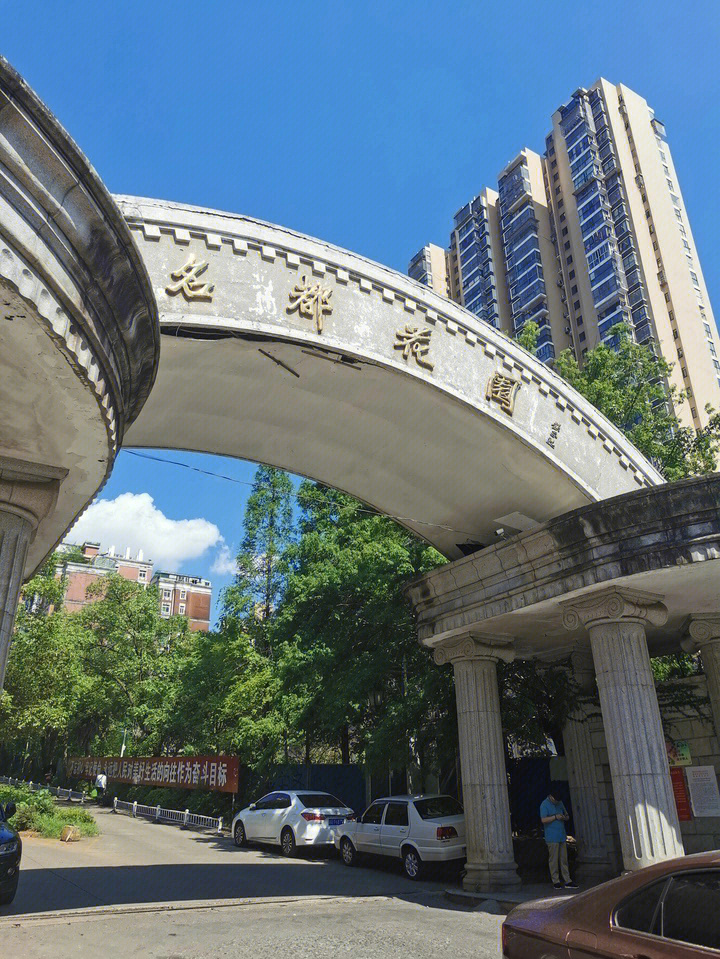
[504, 901]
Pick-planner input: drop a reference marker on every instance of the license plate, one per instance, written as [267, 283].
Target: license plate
[335, 822]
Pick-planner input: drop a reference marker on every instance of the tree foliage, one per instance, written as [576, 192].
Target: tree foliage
[628, 383]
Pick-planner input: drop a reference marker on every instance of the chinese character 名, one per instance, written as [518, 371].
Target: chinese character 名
[312, 302]
[501, 389]
[414, 342]
[186, 280]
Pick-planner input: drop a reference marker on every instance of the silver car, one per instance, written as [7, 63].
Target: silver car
[417, 829]
[291, 818]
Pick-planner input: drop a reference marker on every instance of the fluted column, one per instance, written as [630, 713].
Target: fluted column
[644, 803]
[490, 857]
[595, 861]
[705, 637]
[22, 506]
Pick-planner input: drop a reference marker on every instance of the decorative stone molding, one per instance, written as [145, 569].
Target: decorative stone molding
[614, 605]
[472, 648]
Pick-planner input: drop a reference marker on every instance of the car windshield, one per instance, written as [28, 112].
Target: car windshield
[314, 800]
[438, 807]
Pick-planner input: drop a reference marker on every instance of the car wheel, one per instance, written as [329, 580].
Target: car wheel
[412, 863]
[287, 843]
[7, 895]
[239, 834]
[348, 853]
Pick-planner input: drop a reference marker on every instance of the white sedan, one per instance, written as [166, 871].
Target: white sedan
[291, 818]
[416, 829]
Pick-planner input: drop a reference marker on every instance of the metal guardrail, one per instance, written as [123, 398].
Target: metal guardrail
[68, 795]
[183, 818]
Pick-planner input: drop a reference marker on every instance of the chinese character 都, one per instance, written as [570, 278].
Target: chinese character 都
[501, 389]
[312, 302]
[186, 280]
[414, 342]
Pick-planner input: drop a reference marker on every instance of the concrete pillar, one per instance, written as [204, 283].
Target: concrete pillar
[490, 857]
[22, 506]
[644, 804]
[595, 860]
[705, 637]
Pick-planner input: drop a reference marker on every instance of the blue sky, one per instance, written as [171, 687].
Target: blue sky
[366, 124]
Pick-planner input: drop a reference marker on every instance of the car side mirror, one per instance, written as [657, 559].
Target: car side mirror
[253, 805]
[10, 809]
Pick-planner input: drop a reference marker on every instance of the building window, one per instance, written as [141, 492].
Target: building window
[576, 305]
[557, 191]
[562, 217]
[553, 164]
[569, 259]
[561, 203]
[181, 609]
[165, 608]
[167, 594]
[582, 337]
[567, 245]
[574, 290]
[572, 275]
[565, 231]
[556, 177]
[142, 575]
[183, 594]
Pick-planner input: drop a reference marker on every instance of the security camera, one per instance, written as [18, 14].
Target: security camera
[500, 533]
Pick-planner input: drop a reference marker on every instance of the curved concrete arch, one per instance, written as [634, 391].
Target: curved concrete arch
[335, 395]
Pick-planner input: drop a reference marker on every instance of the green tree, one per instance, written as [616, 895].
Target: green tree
[627, 382]
[261, 562]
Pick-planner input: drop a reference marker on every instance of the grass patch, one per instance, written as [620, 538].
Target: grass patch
[37, 812]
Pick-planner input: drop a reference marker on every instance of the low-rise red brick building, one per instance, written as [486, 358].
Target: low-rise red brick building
[179, 595]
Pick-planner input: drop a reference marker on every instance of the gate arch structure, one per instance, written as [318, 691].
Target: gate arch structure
[286, 350]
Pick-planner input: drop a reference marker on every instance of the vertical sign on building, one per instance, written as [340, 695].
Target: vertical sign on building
[682, 800]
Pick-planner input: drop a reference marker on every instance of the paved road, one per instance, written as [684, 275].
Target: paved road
[142, 889]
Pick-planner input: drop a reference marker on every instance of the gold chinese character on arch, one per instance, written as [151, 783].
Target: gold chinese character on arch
[187, 282]
[416, 343]
[312, 302]
[502, 389]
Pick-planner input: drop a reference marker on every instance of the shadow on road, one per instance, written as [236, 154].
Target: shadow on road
[241, 873]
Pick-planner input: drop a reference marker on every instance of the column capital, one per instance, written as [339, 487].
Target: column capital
[32, 500]
[613, 605]
[703, 629]
[468, 648]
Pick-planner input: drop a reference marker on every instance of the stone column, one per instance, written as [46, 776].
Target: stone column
[644, 804]
[490, 857]
[22, 506]
[595, 861]
[705, 638]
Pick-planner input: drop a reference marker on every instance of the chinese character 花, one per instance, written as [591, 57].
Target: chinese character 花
[414, 342]
[501, 389]
[312, 302]
[186, 280]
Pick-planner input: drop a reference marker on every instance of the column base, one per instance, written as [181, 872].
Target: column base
[593, 871]
[490, 877]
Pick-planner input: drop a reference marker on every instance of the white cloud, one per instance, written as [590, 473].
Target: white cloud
[224, 563]
[133, 519]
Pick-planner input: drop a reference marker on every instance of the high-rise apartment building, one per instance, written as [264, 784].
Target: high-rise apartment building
[590, 234]
[429, 266]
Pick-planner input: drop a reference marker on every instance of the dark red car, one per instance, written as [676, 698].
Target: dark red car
[667, 911]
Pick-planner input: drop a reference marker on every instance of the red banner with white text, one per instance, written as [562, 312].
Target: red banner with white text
[217, 773]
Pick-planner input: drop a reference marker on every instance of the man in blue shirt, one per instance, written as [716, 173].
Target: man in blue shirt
[554, 816]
